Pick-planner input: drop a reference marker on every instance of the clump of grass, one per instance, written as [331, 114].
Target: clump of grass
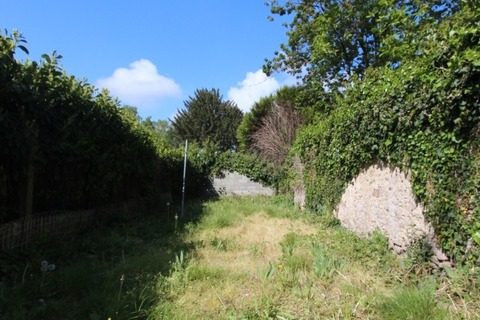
[219, 244]
[412, 302]
[219, 215]
[325, 264]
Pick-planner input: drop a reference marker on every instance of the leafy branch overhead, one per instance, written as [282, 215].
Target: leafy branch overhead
[331, 41]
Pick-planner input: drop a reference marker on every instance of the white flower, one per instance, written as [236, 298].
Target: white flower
[51, 267]
[44, 263]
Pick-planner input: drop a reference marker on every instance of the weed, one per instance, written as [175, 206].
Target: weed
[290, 241]
[325, 264]
[179, 272]
[264, 309]
[417, 260]
[413, 302]
[219, 244]
[268, 273]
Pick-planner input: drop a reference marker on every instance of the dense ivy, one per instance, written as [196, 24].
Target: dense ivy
[422, 116]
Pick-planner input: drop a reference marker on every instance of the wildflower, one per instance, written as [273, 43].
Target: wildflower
[51, 267]
[44, 263]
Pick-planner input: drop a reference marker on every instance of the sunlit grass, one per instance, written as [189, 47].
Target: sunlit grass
[240, 258]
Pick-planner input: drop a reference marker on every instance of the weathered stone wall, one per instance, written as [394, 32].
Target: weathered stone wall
[233, 183]
[382, 199]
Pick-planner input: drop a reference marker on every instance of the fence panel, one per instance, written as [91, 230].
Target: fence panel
[21, 232]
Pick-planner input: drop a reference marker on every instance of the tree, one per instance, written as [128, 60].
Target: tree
[208, 118]
[252, 121]
[269, 129]
[330, 41]
[275, 135]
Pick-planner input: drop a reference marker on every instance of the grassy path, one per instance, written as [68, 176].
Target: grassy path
[243, 258]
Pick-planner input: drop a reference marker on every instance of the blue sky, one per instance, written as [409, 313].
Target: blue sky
[155, 54]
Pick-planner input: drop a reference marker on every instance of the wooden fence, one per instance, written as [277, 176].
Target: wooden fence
[21, 232]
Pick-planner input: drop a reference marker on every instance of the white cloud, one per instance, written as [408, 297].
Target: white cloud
[140, 85]
[255, 86]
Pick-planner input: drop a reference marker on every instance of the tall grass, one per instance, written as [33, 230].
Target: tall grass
[238, 258]
[412, 303]
[110, 271]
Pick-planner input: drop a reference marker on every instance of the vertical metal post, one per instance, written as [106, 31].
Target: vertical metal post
[184, 173]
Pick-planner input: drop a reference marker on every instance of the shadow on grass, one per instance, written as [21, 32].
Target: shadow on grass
[109, 271]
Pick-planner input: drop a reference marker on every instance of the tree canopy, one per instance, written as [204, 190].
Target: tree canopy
[207, 118]
[330, 41]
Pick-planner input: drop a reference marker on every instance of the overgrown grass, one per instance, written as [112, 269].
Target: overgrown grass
[107, 272]
[240, 258]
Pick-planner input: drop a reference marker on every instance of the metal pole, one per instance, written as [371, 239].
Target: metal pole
[184, 173]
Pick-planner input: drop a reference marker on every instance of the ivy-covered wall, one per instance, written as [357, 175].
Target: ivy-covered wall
[422, 115]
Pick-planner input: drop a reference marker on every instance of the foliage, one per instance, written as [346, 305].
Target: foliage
[274, 138]
[252, 121]
[417, 302]
[330, 41]
[325, 264]
[249, 165]
[267, 111]
[66, 145]
[208, 118]
[422, 116]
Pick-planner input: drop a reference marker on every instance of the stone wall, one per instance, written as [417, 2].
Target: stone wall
[233, 183]
[382, 199]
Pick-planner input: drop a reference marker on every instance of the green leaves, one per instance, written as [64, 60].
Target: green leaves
[422, 116]
[332, 41]
[84, 148]
[207, 118]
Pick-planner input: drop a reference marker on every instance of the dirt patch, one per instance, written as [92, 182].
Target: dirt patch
[249, 246]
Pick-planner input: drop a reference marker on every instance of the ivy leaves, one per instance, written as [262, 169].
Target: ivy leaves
[423, 115]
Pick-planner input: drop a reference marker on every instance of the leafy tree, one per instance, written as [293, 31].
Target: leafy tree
[208, 118]
[330, 41]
